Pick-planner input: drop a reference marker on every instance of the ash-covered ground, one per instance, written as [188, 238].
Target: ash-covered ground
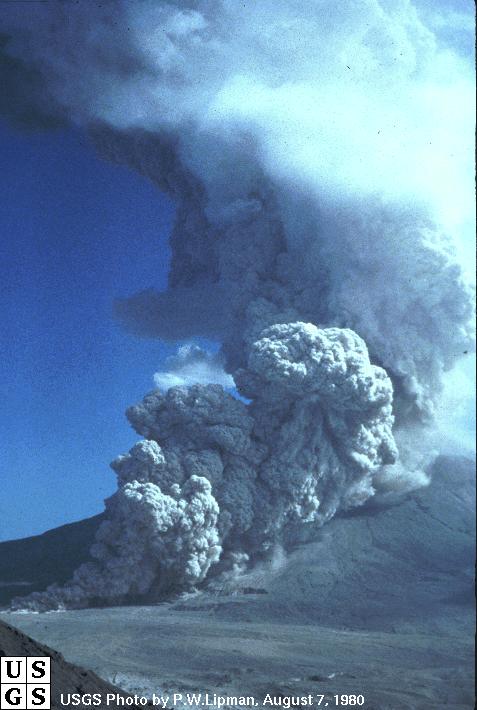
[381, 604]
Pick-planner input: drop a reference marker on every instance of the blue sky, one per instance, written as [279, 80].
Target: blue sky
[77, 232]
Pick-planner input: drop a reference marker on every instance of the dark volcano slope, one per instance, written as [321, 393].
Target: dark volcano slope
[65, 677]
[31, 564]
[410, 563]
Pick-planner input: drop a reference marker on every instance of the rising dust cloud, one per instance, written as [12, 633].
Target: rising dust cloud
[319, 155]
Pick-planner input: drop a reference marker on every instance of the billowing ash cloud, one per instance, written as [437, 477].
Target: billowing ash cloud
[193, 365]
[320, 158]
[215, 479]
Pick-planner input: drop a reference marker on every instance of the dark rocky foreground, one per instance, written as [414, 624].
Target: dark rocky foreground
[380, 602]
[65, 677]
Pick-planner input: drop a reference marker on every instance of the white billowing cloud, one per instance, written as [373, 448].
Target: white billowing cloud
[147, 533]
[191, 366]
[217, 479]
[320, 156]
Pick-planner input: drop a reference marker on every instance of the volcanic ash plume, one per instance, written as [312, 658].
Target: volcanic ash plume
[217, 479]
[319, 157]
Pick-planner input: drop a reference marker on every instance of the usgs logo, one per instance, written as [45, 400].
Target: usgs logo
[25, 683]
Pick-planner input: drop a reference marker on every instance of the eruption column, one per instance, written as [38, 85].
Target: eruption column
[314, 200]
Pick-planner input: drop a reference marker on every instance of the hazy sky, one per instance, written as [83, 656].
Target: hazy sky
[76, 233]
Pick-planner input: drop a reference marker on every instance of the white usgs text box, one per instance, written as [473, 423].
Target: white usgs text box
[25, 683]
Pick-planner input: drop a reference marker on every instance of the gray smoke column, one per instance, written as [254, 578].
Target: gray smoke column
[215, 479]
[320, 158]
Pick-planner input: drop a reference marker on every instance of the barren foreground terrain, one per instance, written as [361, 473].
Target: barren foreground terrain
[66, 678]
[380, 605]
